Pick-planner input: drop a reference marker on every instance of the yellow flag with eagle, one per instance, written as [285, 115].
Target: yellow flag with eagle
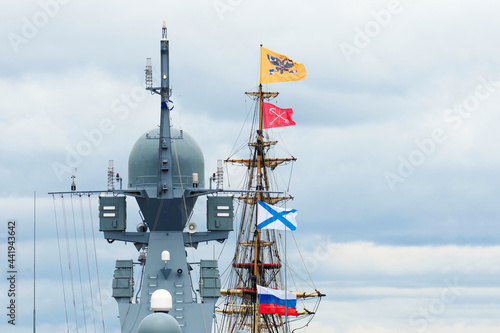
[275, 67]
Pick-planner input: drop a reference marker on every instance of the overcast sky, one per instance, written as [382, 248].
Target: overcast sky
[396, 182]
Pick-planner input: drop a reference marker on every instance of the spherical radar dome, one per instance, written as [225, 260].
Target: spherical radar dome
[143, 160]
[159, 322]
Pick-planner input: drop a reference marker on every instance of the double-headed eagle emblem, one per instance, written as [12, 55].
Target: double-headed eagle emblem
[282, 65]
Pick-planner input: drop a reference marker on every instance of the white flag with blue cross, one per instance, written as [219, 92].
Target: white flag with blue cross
[272, 217]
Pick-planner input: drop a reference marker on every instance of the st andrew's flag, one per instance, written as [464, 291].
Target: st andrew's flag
[272, 217]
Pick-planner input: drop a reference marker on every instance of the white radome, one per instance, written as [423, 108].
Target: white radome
[161, 301]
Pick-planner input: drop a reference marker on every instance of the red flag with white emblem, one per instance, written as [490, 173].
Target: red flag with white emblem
[273, 116]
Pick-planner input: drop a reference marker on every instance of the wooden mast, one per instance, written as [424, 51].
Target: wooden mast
[256, 313]
[260, 151]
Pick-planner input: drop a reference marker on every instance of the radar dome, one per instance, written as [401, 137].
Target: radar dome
[186, 156]
[159, 322]
[161, 300]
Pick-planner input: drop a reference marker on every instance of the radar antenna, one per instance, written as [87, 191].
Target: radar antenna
[111, 174]
[220, 175]
[149, 73]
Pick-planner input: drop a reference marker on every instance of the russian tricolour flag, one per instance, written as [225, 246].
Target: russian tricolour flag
[272, 301]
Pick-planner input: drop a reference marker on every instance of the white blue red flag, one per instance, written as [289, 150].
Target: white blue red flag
[272, 301]
[272, 217]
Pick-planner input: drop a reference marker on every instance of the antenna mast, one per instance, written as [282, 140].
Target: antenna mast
[165, 179]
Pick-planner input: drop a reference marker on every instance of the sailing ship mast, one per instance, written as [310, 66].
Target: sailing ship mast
[257, 260]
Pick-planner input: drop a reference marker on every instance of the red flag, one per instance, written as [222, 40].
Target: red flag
[273, 116]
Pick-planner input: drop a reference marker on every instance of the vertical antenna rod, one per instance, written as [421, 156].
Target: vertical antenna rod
[34, 261]
[165, 181]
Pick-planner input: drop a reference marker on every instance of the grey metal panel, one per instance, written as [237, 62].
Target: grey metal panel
[208, 263]
[209, 279]
[220, 213]
[209, 273]
[124, 263]
[134, 237]
[112, 214]
[123, 273]
[123, 293]
[123, 283]
[166, 215]
[204, 237]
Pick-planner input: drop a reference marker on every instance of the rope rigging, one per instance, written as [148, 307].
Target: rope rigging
[96, 263]
[78, 262]
[87, 258]
[60, 263]
[80, 300]
[69, 259]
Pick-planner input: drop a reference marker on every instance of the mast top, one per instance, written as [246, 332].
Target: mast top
[164, 31]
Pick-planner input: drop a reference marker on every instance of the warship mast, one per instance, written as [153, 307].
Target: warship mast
[165, 182]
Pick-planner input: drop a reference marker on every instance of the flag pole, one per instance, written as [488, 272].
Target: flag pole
[260, 91]
[260, 72]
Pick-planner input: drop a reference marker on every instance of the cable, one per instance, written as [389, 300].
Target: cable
[78, 260]
[69, 259]
[305, 266]
[140, 284]
[96, 264]
[312, 315]
[290, 178]
[88, 262]
[60, 263]
[239, 134]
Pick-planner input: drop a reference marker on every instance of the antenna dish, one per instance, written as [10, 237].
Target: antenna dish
[191, 227]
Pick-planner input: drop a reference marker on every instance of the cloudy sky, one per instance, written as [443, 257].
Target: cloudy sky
[397, 124]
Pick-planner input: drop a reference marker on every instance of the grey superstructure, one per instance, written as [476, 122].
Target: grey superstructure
[164, 167]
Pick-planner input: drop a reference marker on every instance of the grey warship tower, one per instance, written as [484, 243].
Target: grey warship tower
[166, 176]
